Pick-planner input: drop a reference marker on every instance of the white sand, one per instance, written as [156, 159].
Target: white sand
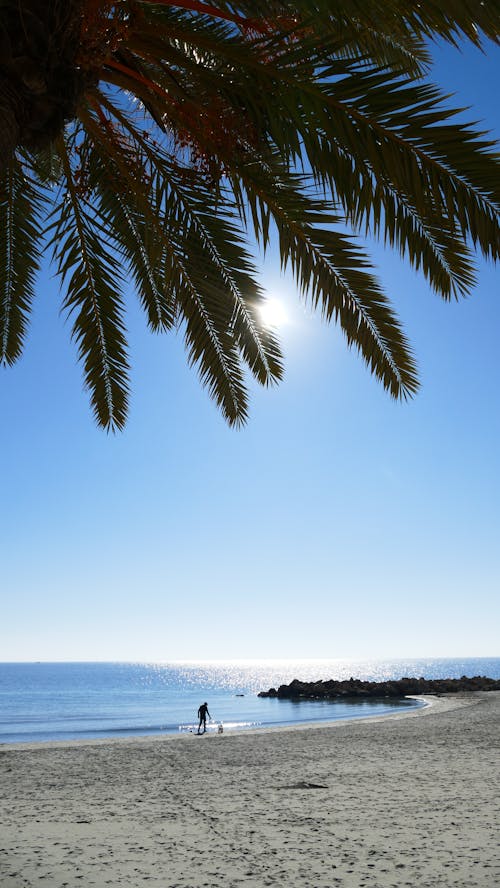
[407, 801]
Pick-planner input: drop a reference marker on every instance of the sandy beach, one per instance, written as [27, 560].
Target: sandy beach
[407, 800]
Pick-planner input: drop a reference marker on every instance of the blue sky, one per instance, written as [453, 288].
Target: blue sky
[337, 523]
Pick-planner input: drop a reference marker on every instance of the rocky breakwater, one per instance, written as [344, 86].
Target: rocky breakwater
[402, 687]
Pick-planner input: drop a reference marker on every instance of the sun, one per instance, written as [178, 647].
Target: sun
[273, 313]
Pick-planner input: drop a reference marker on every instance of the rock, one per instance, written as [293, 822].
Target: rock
[402, 687]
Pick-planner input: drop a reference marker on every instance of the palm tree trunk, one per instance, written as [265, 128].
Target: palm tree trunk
[39, 80]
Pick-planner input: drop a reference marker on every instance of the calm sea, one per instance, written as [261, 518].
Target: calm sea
[60, 701]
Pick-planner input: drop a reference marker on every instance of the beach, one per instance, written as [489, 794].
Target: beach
[402, 800]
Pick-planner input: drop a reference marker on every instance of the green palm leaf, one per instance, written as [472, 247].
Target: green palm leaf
[203, 257]
[87, 264]
[20, 234]
[117, 184]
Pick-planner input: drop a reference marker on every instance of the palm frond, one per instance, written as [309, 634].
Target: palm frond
[334, 274]
[47, 165]
[117, 180]
[21, 204]
[216, 246]
[86, 262]
[373, 206]
[199, 229]
[446, 171]
[400, 132]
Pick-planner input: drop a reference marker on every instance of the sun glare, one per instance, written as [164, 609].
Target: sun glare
[273, 313]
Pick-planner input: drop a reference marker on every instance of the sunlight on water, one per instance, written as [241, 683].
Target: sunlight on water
[259, 675]
[215, 727]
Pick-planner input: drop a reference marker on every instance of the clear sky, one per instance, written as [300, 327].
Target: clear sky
[338, 523]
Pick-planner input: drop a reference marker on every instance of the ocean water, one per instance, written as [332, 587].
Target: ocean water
[61, 701]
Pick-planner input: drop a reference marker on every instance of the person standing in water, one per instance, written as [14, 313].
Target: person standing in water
[202, 715]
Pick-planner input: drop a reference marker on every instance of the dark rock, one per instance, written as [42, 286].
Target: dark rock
[331, 689]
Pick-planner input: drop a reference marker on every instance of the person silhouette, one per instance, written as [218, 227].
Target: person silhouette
[202, 715]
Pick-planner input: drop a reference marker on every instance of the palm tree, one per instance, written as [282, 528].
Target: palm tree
[148, 140]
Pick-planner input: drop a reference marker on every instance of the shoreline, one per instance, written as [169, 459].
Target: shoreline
[383, 802]
[427, 701]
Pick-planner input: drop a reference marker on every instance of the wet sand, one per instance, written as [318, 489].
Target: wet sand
[408, 800]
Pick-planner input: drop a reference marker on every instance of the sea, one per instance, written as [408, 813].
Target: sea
[42, 702]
